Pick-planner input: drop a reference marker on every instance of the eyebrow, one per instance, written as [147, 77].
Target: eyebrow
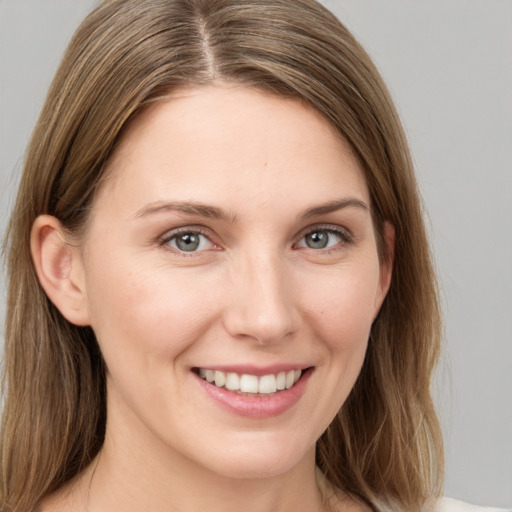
[333, 206]
[214, 212]
[188, 207]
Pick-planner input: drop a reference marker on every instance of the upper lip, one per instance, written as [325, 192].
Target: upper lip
[251, 369]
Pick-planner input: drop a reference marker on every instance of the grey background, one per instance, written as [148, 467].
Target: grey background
[448, 64]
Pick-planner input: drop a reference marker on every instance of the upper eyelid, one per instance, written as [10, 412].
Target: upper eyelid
[171, 233]
[324, 227]
[345, 235]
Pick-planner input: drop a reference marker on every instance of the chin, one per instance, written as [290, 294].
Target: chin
[258, 458]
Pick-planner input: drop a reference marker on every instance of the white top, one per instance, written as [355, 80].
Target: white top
[451, 505]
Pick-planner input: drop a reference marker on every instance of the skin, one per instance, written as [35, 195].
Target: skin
[253, 293]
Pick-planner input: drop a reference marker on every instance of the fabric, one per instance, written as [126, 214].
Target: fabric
[451, 505]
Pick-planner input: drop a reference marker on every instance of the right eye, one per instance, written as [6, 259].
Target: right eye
[189, 241]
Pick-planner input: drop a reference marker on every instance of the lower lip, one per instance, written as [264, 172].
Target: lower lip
[255, 406]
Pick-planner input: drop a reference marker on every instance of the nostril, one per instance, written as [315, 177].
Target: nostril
[267, 327]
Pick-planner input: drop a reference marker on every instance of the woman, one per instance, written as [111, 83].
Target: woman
[219, 275]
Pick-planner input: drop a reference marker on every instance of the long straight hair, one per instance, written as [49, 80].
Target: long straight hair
[384, 447]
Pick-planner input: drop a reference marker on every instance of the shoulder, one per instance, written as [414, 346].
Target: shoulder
[451, 505]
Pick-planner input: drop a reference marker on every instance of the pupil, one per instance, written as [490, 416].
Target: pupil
[317, 239]
[188, 242]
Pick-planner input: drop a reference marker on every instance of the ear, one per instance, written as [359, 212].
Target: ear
[386, 266]
[60, 270]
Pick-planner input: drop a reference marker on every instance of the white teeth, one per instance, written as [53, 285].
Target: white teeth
[249, 383]
[245, 383]
[290, 378]
[232, 381]
[220, 379]
[267, 384]
[281, 381]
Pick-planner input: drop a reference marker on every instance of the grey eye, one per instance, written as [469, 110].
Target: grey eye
[190, 241]
[322, 239]
[317, 239]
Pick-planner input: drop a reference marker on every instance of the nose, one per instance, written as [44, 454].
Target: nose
[262, 303]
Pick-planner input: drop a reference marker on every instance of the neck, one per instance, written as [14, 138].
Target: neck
[147, 484]
[130, 475]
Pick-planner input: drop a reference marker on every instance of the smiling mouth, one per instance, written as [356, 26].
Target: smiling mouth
[251, 385]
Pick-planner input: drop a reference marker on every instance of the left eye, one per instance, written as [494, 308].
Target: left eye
[189, 241]
[321, 239]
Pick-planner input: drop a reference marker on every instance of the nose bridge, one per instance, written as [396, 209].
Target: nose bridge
[262, 303]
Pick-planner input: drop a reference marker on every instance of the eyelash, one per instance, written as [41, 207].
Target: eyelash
[345, 236]
[173, 235]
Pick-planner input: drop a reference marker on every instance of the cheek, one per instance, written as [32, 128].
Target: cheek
[342, 307]
[142, 313]
[340, 313]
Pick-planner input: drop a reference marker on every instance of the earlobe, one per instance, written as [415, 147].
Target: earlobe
[59, 268]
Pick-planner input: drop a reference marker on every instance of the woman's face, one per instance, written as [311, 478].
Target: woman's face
[232, 241]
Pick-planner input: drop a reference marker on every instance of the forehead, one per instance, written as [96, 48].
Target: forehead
[232, 142]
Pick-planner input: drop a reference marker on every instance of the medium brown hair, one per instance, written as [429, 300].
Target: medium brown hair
[384, 447]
